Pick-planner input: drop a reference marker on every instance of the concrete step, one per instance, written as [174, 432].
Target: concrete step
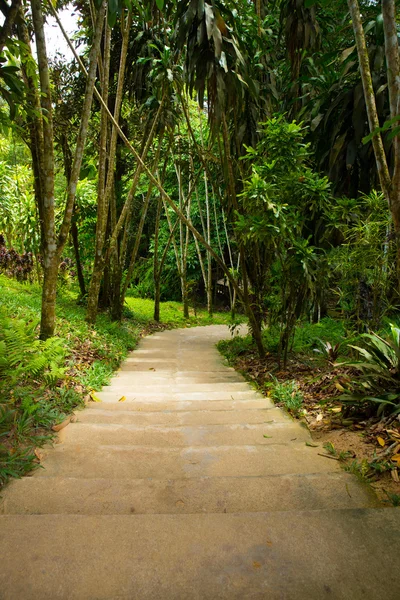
[174, 418]
[295, 555]
[170, 364]
[56, 495]
[147, 378]
[110, 402]
[113, 393]
[92, 434]
[131, 385]
[141, 462]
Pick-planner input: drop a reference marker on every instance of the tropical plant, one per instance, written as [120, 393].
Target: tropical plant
[378, 381]
[287, 393]
[328, 350]
[23, 356]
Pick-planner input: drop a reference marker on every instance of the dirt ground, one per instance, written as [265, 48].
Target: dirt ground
[365, 444]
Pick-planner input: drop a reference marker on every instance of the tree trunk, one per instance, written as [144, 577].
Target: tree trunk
[79, 270]
[106, 184]
[156, 265]
[390, 187]
[54, 244]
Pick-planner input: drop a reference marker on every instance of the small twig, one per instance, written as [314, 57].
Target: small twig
[327, 456]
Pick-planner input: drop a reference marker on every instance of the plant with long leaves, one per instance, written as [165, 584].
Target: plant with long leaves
[378, 381]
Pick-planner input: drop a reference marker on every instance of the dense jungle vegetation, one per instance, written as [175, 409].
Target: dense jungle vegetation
[239, 157]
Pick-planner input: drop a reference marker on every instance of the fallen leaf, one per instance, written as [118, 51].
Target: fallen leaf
[381, 441]
[339, 387]
[94, 397]
[396, 458]
[337, 409]
[311, 445]
[38, 454]
[395, 475]
[60, 426]
[320, 417]
[267, 436]
[122, 399]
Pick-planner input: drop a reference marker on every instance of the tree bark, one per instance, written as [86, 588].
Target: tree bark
[105, 192]
[54, 244]
[390, 187]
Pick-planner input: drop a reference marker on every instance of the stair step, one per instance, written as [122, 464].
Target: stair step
[174, 418]
[149, 364]
[92, 434]
[110, 402]
[56, 495]
[141, 462]
[180, 388]
[295, 555]
[114, 393]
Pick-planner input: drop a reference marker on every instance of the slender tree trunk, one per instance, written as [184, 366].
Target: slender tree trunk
[67, 157]
[390, 187]
[54, 244]
[50, 257]
[106, 184]
[208, 228]
[78, 262]
[156, 265]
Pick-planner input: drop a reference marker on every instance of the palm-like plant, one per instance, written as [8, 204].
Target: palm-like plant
[379, 377]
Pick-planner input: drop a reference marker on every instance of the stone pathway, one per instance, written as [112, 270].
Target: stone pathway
[193, 488]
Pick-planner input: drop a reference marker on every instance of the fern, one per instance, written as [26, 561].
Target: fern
[23, 356]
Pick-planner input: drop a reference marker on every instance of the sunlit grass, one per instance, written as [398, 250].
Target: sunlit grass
[172, 313]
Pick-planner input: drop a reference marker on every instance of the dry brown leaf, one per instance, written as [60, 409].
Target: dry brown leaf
[60, 426]
[38, 454]
[395, 475]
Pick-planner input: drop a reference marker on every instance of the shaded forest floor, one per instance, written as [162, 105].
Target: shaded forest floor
[309, 389]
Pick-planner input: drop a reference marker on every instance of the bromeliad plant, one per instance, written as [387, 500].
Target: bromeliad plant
[379, 373]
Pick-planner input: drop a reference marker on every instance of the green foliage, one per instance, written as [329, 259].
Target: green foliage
[98, 374]
[23, 357]
[15, 463]
[362, 267]
[329, 351]
[282, 202]
[288, 394]
[378, 381]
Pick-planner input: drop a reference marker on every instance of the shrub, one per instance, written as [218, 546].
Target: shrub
[378, 381]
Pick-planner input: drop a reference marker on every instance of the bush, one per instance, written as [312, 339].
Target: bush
[378, 381]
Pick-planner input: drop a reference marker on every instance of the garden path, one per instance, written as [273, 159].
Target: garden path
[186, 484]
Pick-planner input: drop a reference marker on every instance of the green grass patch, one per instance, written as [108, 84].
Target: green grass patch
[171, 313]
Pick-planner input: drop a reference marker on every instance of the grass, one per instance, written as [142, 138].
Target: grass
[288, 394]
[32, 402]
[171, 313]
